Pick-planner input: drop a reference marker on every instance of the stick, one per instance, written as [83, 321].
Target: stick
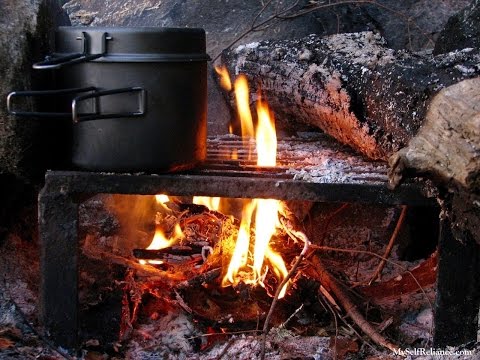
[298, 235]
[140, 270]
[206, 277]
[381, 265]
[158, 254]
[351, 309]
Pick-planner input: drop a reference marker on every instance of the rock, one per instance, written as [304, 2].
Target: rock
[25, 35]
[462, 30]
[412, 24]
[25, 29]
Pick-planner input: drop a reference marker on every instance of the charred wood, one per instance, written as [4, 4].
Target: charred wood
[351, 86]
[159, 254]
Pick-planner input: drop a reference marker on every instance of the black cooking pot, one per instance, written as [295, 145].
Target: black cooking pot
[139, 96]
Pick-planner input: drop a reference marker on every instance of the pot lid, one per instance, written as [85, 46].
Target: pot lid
[133, 43]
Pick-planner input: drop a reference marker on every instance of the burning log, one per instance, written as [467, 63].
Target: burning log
[371, 97]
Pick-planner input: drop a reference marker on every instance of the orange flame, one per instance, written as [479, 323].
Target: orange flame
[160, 241]
[242, 100]
[213, 203]
[266, 215]
[240, 254]
[225, 81]
[266, 136]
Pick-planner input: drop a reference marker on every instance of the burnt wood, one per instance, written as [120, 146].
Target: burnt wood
[351, 86]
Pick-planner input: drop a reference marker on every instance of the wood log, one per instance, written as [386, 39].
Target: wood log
[448, 144]
[351, 86]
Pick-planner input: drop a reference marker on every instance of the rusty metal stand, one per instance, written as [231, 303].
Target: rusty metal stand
[458, 292]
[63, 190]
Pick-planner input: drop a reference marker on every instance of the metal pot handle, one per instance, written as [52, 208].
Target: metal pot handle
[142, 99]
[12, 95]
[58, 62]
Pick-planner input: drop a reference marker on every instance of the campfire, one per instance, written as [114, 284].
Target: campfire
[241, 266]
[244, 248]
[251, 258]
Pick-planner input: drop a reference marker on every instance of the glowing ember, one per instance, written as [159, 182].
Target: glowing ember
[213, 203]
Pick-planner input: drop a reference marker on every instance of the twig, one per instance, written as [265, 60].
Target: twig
[393, 238]
[225, 349]
[336, 329]
[323, 6]
[254, 27]
[206, 277]
[223, 333]
[291, 317]
[351, 309]
[306, 245]
[284, 15]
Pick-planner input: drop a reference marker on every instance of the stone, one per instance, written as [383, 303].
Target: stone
[462, 30]
[25, 36]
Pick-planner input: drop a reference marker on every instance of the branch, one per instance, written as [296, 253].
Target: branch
[297, 235]
[381, 265]
[351, 309]
[284, 15]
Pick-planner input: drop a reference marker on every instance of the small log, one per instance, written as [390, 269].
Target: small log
[206, 277]
[351, 86]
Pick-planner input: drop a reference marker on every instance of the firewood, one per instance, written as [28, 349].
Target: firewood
[157, 254]
[448, 144]
[95, 252]
[355, 88]
[206, 277]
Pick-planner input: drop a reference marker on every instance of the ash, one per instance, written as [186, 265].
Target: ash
[168, 338]
[175, 337]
